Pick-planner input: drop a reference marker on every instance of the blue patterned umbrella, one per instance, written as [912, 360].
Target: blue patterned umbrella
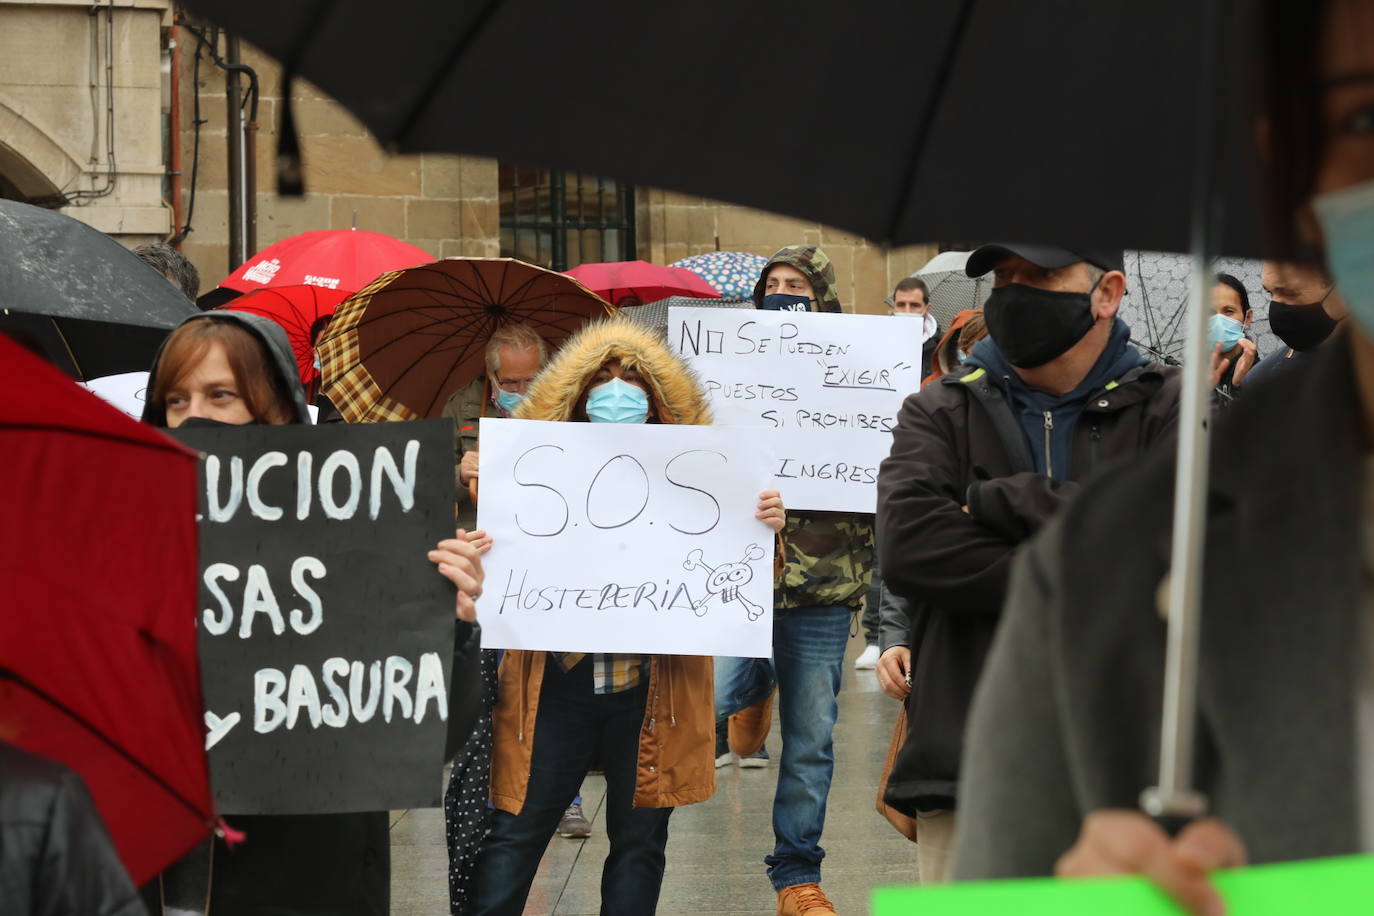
[732, 273]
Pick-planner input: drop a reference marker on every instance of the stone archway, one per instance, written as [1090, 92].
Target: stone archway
[33, 166]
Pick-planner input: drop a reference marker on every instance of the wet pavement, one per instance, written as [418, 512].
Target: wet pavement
[715, 849]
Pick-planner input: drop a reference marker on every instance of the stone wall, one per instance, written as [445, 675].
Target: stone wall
[673, 226]
[448, 205]
[52, 138]
[53, 123]
[445, 205]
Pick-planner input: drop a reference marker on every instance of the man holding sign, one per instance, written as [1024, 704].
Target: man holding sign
[571, 596]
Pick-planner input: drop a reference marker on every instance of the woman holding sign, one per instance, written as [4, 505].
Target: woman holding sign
[646, 720]
[235, 369]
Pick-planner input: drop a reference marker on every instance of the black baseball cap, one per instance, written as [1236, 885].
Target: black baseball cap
[985, 257]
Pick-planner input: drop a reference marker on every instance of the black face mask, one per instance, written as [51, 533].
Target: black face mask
[1301, 327]
[207, 423]
[1034, 326]
[783, 302]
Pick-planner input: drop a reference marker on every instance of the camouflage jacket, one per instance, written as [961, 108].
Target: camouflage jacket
[829, 559]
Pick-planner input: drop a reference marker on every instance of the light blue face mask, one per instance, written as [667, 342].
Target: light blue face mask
[1347, 219]
[617, 401]
[508, 400]
[1224, 330]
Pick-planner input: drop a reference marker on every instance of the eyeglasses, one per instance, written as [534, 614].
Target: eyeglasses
[514, 385]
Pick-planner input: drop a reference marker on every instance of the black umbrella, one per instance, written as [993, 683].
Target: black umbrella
[1064, 121]
[78, 296]
[1082, 123]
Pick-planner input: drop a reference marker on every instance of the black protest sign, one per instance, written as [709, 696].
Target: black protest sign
[326, 635]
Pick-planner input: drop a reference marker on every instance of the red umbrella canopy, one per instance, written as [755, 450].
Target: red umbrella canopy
[343, 259]
[296, 309]
[399, 348]
[616, 281]
[98, 570]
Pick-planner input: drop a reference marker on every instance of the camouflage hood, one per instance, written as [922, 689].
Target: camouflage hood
[813, 262]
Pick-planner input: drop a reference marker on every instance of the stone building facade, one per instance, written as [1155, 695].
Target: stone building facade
[82, 111]
[53, 111]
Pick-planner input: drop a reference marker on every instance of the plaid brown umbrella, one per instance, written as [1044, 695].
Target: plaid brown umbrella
[399, 348]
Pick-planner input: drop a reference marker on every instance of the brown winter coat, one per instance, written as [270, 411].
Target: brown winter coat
[677, 739]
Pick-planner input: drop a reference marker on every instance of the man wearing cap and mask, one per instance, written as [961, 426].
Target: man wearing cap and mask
[980, 460]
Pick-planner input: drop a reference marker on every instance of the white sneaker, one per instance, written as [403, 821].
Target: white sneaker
[868, 659]
[724, 760]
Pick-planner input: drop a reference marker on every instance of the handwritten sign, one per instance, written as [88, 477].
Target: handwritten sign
[828, 385]
[326, 636]
[625, 538]
[1340, 886]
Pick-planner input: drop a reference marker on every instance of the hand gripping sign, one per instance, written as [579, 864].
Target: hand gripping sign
[625, 538]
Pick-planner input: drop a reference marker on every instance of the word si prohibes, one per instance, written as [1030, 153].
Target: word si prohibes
[618, 494]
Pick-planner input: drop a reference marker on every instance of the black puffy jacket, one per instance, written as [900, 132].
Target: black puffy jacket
[55, 857]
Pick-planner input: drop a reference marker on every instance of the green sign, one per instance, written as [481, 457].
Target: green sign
[1332, 887]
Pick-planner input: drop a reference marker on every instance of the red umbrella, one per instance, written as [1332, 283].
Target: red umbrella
[344, 259]
[98, 570]
[296, 309]
[619, 280]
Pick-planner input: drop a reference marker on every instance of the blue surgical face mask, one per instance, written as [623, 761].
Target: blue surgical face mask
[508, 400]
[962, 356]
[785, 302]
[1226, 331]
[617, 401]
[1347, 219]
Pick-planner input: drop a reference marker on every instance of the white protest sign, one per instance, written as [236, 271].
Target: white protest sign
[829, 386]
[625, 538]
[829, 472]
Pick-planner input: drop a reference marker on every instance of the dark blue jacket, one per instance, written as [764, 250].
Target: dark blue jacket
[1047, 420]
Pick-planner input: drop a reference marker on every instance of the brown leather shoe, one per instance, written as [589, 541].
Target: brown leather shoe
[804, 900]
[749, 727]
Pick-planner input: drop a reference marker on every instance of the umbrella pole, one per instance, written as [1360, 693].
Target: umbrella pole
[1174, 802]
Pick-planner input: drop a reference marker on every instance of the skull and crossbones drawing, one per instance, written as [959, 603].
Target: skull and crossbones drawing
[725, 581]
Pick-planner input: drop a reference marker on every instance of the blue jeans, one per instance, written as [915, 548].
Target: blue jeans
[808, 657]
[574, 729]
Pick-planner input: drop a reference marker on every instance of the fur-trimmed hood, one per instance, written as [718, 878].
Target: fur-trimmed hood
[676, 393]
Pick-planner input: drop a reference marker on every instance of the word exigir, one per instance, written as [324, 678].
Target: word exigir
[342, 467]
